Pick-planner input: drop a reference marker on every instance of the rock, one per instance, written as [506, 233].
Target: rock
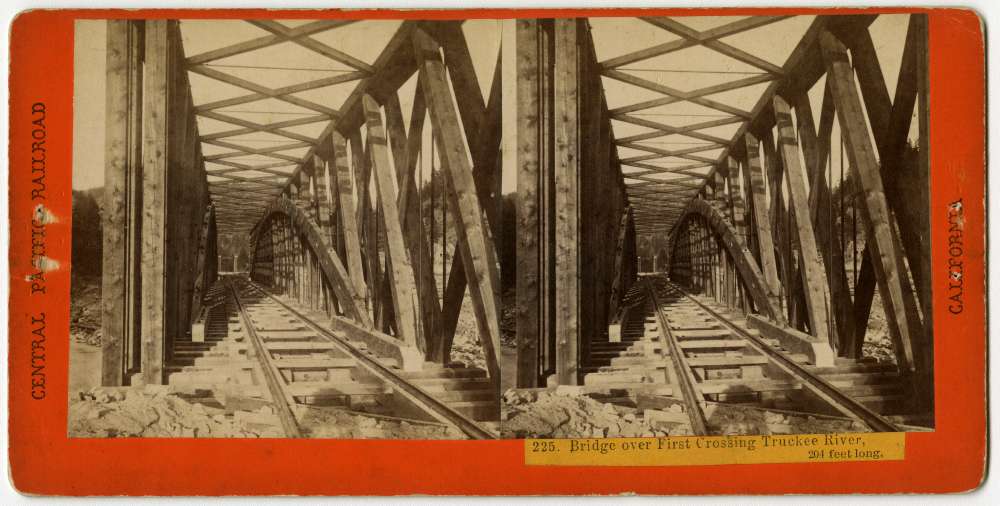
[96, 413]
[676, 408]
[156, 390]
[569, 390]
[629, 417]
[656, 417]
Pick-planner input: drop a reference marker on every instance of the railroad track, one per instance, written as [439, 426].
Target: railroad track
[305, 369]
[682, 351]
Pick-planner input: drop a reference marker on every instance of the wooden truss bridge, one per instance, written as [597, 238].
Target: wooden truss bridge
[771, 198]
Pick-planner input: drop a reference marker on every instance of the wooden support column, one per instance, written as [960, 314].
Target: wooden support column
[532, 327]
[120, 311]
[811, 265]
[566, 112]
[905, 326]
[401, 279]
[474, 242]
[156, 166]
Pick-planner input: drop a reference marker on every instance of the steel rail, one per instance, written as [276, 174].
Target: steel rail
[819, 386]
[423, 400]
[271, 375]
[690, 393]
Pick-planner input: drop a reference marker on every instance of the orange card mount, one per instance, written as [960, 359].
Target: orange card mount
[478, 252]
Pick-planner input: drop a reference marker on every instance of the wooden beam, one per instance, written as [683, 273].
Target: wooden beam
[762, 219]
[736, 208]
[251, 127]
[312, 44]
[475, 245]
[811, 264]
[713, 43]
[401, 278]
[902, 189]
[267, 40]
[815, 150]
[405, 149]
[905, 326]
[675, 45]
[481, 124]
[259, 92]
[673, 92]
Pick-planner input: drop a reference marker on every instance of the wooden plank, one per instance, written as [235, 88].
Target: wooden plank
[401, 278]
[475, 245]
[811, 264]
[905, 326]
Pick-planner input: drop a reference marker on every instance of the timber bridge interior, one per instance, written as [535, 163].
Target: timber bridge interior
[707, 212]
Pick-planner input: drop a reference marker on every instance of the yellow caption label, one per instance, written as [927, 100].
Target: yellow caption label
[715, 450]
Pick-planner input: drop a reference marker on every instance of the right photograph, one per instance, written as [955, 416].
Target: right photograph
[715, 226]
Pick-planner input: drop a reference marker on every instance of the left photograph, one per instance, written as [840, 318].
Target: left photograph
[287, 228]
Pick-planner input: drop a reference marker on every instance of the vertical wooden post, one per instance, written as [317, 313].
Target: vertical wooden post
[566, 112]
[156, 166]
[122, 201]
[530, 124]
